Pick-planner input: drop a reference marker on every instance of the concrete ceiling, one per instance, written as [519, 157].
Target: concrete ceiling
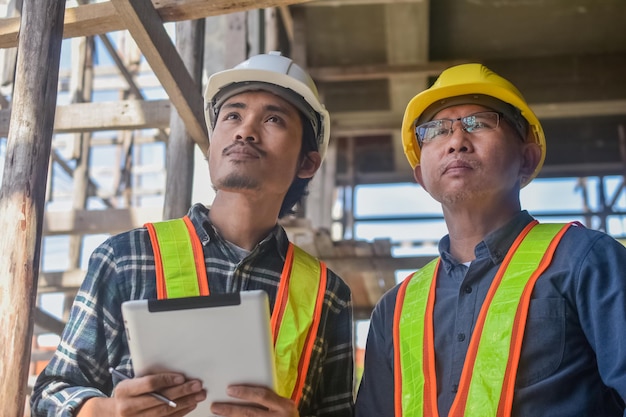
[567, 57]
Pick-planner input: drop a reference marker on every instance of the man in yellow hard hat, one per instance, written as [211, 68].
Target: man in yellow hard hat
[514, 318]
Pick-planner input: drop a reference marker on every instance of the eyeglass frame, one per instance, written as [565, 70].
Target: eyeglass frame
[499, 115]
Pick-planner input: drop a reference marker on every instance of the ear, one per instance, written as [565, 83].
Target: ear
[417, 174]
[531, 155]
[309, 165]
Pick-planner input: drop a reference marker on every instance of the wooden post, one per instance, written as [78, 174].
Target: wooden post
[23, 191]
[82, 81]
[180, 147]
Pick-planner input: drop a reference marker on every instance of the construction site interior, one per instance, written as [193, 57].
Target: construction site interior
[121, 97]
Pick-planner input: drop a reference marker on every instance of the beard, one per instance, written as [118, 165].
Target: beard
[452, 198]
[236, 181]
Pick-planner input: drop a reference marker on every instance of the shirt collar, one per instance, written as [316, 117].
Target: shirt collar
[199, 215]
[495, 245]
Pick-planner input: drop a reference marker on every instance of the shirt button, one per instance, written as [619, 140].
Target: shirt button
[455, 388]
[460, 337]
[467, 289]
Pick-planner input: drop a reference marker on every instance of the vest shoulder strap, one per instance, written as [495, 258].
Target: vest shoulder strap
[296, 319]
[179, 259]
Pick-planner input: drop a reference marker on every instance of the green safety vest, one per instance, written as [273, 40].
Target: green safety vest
[181, 272]
[495, 346]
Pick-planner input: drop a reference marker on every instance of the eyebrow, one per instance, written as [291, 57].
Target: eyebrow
[268, 107]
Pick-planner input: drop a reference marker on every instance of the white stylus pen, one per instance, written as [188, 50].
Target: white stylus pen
[159, 397]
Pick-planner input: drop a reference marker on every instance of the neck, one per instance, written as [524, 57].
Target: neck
[242, 219]
[468, 226]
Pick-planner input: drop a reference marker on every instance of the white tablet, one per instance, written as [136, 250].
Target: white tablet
[221, 339]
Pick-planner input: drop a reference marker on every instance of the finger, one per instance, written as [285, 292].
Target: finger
[192, 399]
[262, 396]
[189, 388]
[148, 406]
[160, 382]
[150, 383]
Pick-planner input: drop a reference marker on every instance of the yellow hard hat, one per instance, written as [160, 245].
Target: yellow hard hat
[467, 84]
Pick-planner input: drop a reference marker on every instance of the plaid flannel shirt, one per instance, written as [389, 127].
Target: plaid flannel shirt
[122, 268]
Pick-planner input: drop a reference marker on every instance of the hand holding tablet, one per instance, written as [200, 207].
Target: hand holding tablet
[222, 340]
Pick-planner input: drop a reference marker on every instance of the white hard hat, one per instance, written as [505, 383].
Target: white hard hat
[274, 73]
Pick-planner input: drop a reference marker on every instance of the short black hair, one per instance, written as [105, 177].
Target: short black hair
[298, 188]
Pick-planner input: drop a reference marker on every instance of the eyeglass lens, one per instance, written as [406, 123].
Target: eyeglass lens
[441, 128]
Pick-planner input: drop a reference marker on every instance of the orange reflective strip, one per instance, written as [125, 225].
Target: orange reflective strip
[281, 295]
[305, 360]
[158, 263]
[198, 256]
[458, 406]
[506, 400]
[430, 374]
[429, 395]
[397, 374]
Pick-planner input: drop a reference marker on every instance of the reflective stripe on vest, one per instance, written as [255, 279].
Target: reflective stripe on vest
[181, 272]
[500, 327]
[179, 258]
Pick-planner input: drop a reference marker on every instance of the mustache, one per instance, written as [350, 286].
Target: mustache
[459, 162]
[237, 143]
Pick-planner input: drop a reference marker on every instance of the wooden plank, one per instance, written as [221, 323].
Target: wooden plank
[373, 72]
[110, 221]
[23, 191]
[180, 149]
[337, 3]
[48, 322]
[60, 281]
[324, 245]
[383, 263]
[113, 115]
[146, 27]
[99, 18]
[122, 115]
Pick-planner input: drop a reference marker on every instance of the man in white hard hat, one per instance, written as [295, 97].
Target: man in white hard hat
[269, 134]
[514, 318]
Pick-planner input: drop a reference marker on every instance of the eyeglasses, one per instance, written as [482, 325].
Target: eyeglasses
[441, 128]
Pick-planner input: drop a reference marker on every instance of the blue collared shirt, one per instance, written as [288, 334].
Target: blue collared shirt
[122, 268]
[573, 359]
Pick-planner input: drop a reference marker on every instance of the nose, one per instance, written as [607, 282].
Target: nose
[459, 139]
[247, 132]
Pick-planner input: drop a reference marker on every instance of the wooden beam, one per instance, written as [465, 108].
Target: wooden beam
[60, 281]
[579, 109]
[180, 146]
[374, 72]
[336, 3]
[146, 27]
[48, 322]
[118, 115]
[110, 221]
[99, 18]
[23, 191]
[384, 122]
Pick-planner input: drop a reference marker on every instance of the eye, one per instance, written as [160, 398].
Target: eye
[230, 116]
[434, 129]
[275, 119]
[480, 121]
